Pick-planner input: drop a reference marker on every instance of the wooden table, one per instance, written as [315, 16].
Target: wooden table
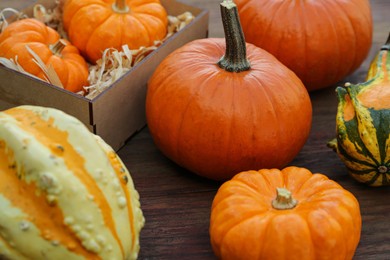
[176, 203]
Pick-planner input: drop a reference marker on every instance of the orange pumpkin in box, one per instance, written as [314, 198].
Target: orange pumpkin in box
[23, 36]
[95, 25]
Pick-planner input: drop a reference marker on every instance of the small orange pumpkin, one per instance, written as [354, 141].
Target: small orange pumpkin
[66, 60]
[95, 25]
[217, 117]
[322, 41]
[289, 214]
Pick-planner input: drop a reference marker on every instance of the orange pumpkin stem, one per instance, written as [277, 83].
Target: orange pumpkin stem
[57, 47]
[235, 59]
[119, 6]
[283, 199]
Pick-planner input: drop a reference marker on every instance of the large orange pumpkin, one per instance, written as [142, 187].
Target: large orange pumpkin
[289, 214]
[217, 118]
[60, 54]
[322, 41]
[95, 25]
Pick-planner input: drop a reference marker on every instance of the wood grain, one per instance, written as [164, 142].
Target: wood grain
[176, 203]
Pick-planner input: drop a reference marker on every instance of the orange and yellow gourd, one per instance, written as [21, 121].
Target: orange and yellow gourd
[64, 193]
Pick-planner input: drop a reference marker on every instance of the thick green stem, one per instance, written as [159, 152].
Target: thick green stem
[119, 6]
[283, 199]
[235, 59]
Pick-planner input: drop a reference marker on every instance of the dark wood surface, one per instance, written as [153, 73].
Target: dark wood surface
[176, 203]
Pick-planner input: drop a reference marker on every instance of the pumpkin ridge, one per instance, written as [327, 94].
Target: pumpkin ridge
[345, 154]
[311, 227]
[121, 173]
[367, 133]
[355, 134]
[353, 60]
[28, 190]
[45, 132]
[304, 58]
[147, 26]
[91, 41]
[374, 176]
[253, 189]
[241, 221]
[61, 67]
[9, 249]
[269, 29]
[337, 55]
[368, 21]
[143, 24]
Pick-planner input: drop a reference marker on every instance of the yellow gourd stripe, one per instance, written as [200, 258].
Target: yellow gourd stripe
[116, 164]
[46, 133]
[49, 219]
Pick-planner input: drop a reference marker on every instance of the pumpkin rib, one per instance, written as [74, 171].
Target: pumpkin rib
[52, 221]
[228, 133]
[266, 94]
[274, 231]
[270, 29]
[190, 99]
[287, 172]
[91, 42]
[9, 250]
[353, 60]
[117, 163]
[176, 148]
[312, 228]
[74, 65]
[338, 53]
[242, 222]
[339, 68]
[276, 99]
[320, 55]
[62, 68]
[350, 131]
[141, 24]
[304, 58]
[347, 155]
[368, 141]
[46, 134]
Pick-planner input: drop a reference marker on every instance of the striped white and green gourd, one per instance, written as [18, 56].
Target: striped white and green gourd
[363, 124]
[64, 193]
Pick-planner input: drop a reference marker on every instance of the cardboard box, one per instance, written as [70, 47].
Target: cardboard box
[118, 112]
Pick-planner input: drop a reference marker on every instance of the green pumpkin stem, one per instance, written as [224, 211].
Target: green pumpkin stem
[283, 199]
[57, 47]
[119, 6]
[235, 59]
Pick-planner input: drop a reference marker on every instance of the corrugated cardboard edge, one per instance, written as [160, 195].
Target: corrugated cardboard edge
[118, 112]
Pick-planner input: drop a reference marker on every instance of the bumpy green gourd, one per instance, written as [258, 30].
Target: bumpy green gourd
[363, 124]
